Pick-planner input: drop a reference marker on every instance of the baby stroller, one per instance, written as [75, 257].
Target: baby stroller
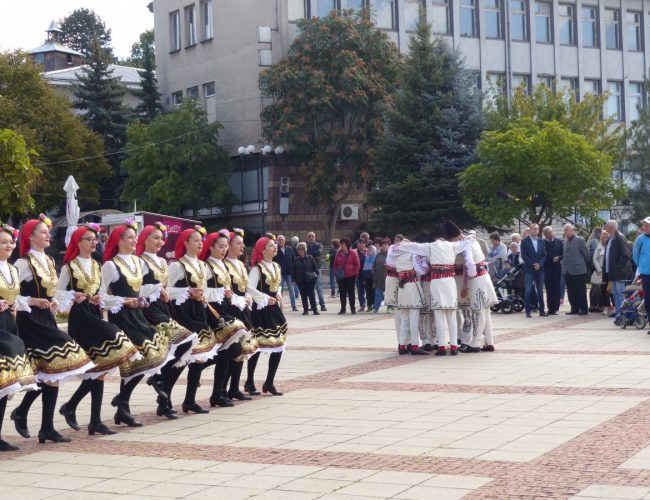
[632, 309]
[506, 285]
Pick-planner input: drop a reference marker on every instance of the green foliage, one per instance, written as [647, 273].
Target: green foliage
[140, 51]
[175, 163]
[18, 174]
[637, 164]
[328, 99]
[431, 133]
[81, 28]
[148, 94]
[63, 143]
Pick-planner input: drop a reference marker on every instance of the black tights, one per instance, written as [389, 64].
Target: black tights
[3, 407]
[194, 379]
[49, 404]
[96, 389]
[169, 373]
[274, 363]
[222, 368]
[127, 388]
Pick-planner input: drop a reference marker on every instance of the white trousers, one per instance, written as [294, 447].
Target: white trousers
[448, 315]
[409, 331]
[427, 329]
[465, 327]
[482, 326]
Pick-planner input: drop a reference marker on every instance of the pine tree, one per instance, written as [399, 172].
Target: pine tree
[637, 164]
[149, 96]
[432, 130]
[99, 96]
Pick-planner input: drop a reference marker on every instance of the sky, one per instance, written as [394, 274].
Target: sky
[23, 22]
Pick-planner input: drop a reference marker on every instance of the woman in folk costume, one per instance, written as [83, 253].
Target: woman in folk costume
[444, 298]
[125, 297]
[105, 343]
[481, 296]
[16, 372]
[269, 323]
[188, 283]
[159, 313]
[230, 332]
[55, 355]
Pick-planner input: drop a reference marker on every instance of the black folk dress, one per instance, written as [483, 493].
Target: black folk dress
[269, 322]
[238, 308]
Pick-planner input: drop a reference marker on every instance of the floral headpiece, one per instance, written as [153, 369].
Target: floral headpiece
[162, 228]
[202, 231]
[12, 231]
[94, 227]
[224, 232]
[238, 232]
[130, 223]
[45, 220]
[270, 236]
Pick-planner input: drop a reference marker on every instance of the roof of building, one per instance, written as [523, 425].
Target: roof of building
[52, 46]
[129, 76]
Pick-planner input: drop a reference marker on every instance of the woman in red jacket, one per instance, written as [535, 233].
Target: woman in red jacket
[346, 270]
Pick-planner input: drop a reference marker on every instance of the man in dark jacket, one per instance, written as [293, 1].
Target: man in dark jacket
[315, 249]
[617, 265]
[533, 253]
[284, 258]
[552, 269]
[575, 262]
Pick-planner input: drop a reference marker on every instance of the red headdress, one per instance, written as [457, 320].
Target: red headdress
[73, 247]
[209, 241]
[259, 247]
[235, 232]
[184, 236]
[142, 237]
[112, 245]
[28, 229]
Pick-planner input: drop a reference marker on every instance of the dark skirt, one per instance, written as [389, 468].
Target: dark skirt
[15, 368]
[269, 328]
[54, 355]
[250, 346]
[106, 345]
[159, 314]
[192, 315]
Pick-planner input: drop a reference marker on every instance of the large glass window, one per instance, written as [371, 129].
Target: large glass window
[412, 13]
[569, 85]
[386, 14]
[590, 26]
[547, 80]
[356, 4]
[543, 26]
[177, 98]
[518, 25]
[613, 28]
[324, 7]
[634, 40]
[567, 24]
[614, 101]
[174, 31]
[493, 19]
[521, 81]
[207, 30]
[190, 25]
[635, 95]
[441, 17]
[209, 89]
[496, 86]
[592, 87]
[468, 24]
[193, 93]
[296, 10]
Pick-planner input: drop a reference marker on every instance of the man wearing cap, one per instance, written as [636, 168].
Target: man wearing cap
[617, 265]
[641, 256]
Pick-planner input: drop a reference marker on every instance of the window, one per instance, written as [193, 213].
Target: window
[522, 81]
[190, 26]
[567, 24]
[613, 28]
[614, 102]
[570, 87]
[592, 87]
[356, 4]
[635, 94]
[175, 31]
[207, 31]
[193, 93]
[546, 80]
[266, 57]
[412, 13]
[496, 83]
[177, 98]
[468, 18]
[386, 14]
[324, 7]
[634, 30]
[209, 89]
[518, 21]
[296, 10]
[493, 19]
[543, 30]
[590, 26]
[441, 15]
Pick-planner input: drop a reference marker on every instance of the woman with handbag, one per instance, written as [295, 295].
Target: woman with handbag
[305, 274]
[346, 269]
[598, 296]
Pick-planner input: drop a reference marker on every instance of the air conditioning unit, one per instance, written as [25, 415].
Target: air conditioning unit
[349, 211]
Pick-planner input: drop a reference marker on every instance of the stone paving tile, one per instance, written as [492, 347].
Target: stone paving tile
[613, 492]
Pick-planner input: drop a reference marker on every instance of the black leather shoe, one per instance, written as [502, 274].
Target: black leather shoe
[306, 313]
[165, 411]
[167, 403]
[251, 389]
[543, 314]
[353, 311]
[194, 408]
[316, 313]
[53, 436]
[100, 429]
[342, 311]
[402, 350]
[583, 313]
[441, 352]
[419, 352]
[219, 402]
[428, 347]
[69, 415]
[473, 349]
[20, 423]
[126, 419]
[453, 352]
[571, 313]
[464, 348]
[4, 446]
[122, 407]
[239, 396]
[528, 315]
[322, 308]
[157, 384]
[271, 388]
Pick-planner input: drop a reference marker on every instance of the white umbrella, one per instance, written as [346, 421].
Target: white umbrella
[71, 207]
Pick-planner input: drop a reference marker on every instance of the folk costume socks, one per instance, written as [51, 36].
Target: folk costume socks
[49, 403]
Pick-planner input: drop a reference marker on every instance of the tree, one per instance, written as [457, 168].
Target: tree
[99, 95]
[148, 94]
[18, 174]
[432, 130]
[175, 163]
[63, 145]
[546, 155]
[139, 50]
[81, 28]
[328, 99]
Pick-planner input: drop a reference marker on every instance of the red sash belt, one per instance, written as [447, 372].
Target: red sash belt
[391, 272]
[442, 271]
[481, 268]
[458, 269]
[407, 277]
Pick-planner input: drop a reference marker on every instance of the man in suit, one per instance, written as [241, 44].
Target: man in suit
[533, 253]
[617, 265]
[285, 258]
[552, 269]
[575, 261]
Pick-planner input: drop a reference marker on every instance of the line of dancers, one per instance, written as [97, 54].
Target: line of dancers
[442, 293]
[203, 309]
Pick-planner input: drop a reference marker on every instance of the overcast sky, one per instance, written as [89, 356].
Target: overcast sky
[23, 22]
